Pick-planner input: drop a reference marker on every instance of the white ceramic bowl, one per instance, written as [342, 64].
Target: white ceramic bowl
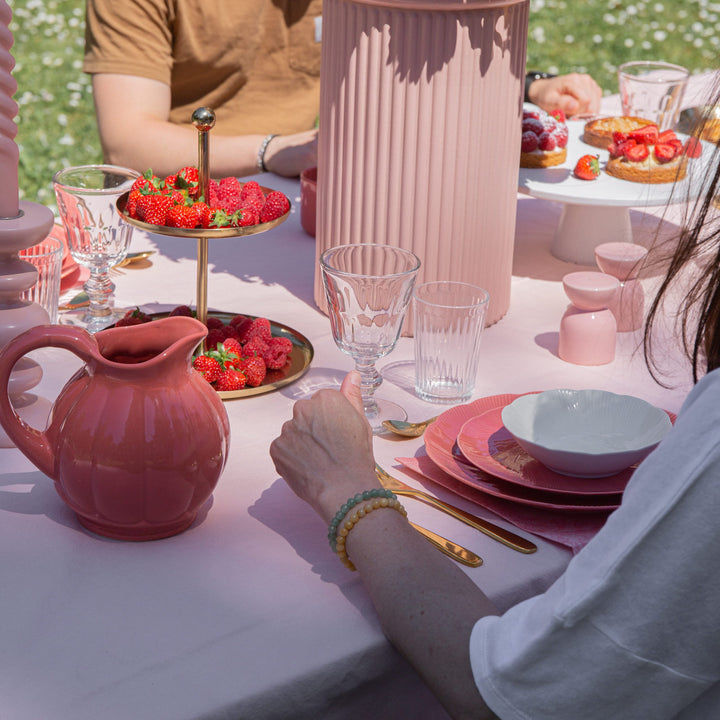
[585, 433]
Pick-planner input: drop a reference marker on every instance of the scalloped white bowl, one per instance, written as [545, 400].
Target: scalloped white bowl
[585, 433]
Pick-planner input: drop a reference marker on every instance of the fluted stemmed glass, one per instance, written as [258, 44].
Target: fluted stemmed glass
[97, 236]
[368, 289]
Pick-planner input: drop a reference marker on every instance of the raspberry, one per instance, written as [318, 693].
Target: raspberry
[281, 344]
[214, 338]
[276, 205]
[182, 311]
[214, 323]
[231, 332]
[529, 141]
[259, 327]
[256, 346]
[561, 136]
[133, 317]
[533, 125]
[546, 142]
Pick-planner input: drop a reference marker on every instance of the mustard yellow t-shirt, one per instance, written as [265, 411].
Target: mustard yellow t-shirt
[256, 63]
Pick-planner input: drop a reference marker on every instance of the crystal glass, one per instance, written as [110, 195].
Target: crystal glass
[368, 288]
[97, 236]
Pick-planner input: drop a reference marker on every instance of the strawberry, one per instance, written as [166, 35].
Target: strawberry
[148, 181]
[254, 370]
[666, 136]
[587, 167]
[131, 205]
[153, 209]
[133, 317]
[559, 115]
[204, 213]
[529, 141]
[693, 147]
[664, 152]
[546, 142]
[248, 217]
[209, 367]
[636, 153]
[182, 216]
[169, 183]
[276, 205]
[230, 380]
[646, 135]
[259, 327]
[232, 347]
[618, 137]
[188, 179]
[676, 143]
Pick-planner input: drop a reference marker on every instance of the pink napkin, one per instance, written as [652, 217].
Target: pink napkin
[572, 529]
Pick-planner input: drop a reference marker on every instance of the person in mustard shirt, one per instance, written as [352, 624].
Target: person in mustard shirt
[256, 63]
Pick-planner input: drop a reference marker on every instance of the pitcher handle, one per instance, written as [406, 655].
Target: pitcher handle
[32, 442]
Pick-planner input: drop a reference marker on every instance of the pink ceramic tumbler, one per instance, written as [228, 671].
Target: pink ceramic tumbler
[588, 328]
[420, 119]
[623, 261]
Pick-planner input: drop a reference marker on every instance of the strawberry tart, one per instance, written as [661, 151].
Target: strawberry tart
[544, 139]
[646, 155]
[599, 132]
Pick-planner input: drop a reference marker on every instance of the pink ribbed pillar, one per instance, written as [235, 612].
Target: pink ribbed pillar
[421, 106]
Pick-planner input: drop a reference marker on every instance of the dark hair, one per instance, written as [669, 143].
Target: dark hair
[698, 314]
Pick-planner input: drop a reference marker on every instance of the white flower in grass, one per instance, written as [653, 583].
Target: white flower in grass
[538, 34]
[597, 39]
[646, 45]
[66, 140]
[569, 39]
[628, 42]
[659, 35]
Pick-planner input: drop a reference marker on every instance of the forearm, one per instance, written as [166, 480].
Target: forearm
[166, 147]
[426, 604]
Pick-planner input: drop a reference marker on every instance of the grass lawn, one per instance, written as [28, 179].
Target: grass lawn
[56, 120]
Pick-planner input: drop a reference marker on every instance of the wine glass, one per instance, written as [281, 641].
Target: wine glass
[368, 288]
[97, 236]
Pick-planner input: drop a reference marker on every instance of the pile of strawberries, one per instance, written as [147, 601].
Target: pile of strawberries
[237, 354]
[176, 201]
[665, 146]
[543, 131]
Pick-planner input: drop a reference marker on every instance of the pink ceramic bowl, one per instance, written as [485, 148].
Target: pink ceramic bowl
[588, 290]
[308, 200]
[620, 259]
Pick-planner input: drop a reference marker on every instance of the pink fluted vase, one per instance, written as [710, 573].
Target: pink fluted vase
[421, 105]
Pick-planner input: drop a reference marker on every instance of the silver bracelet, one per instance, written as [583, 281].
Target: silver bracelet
[261, 152]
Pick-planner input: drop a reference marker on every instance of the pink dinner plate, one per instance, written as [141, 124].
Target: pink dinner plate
[443, 450]
[487, 444]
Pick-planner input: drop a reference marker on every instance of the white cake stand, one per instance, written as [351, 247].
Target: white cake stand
[598, 211]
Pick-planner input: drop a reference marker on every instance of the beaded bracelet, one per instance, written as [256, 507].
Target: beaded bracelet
[374, 499]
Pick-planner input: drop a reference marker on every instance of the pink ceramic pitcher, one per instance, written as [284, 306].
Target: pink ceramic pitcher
[137, 439]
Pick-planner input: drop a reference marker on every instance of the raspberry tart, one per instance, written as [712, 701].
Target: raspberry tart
[646, 155]
[544, 139]
[599, 132]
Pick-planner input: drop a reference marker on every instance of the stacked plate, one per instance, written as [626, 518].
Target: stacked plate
[470, 443]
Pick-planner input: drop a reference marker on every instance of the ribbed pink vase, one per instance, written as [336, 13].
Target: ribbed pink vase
[421, 107]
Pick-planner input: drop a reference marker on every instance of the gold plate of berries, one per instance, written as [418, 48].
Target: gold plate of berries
[174, 206]
[244, 355]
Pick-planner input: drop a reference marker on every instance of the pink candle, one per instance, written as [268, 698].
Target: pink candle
[9, 154]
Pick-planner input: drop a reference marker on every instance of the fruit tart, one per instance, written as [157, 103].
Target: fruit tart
[646, 155]
[544, 139]
[599, 132]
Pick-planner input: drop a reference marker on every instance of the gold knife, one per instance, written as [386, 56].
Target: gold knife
[451, 549]
[511, 539]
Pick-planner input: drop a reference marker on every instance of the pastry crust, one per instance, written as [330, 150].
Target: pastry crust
[599, 132]
[543, 159]
[649, 170]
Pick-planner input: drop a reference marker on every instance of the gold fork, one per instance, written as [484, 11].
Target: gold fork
[516, 542]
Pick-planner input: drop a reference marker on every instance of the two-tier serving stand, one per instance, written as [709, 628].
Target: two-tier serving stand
[204, 119]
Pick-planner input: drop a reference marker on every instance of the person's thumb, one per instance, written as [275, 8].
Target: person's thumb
[350, 388]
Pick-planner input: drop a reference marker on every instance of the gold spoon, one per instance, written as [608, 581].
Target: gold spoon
[407, 429]
[131, 258]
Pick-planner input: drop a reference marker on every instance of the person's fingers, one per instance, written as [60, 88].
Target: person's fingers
[350, 388]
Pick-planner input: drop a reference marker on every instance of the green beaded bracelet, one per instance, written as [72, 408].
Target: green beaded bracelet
[351, 503]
